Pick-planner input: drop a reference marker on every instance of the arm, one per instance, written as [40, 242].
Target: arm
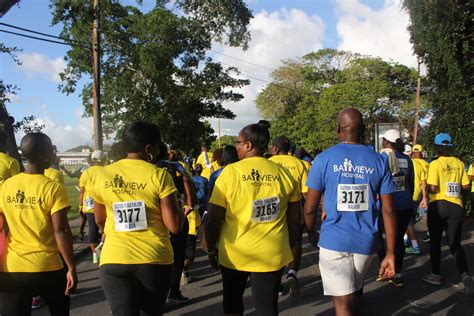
[63, 236]
[215, 217]
[100, 215]
[387, 267]
[190, 194]
[173, 217]
[82, 190]
[311, 204]
[293, 220]
[424, 192]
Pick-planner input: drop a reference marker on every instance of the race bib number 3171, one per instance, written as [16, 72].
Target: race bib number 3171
[129, 216]
[352, 197]
[265, 210]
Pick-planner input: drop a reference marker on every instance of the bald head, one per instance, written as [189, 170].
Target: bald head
[350, 125]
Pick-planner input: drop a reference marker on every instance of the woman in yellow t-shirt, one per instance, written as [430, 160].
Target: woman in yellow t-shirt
[253, 221]
[35, 209]
[446, 179]
[135, 206]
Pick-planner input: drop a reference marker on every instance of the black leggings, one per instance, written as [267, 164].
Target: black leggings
[18, 288]
[403, 217]
[178, 242]
[446, 216]
[131, 288]
[265, 287]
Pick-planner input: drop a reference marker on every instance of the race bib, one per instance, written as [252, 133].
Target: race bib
[265, 210]
[453, 189]
[402, 163]
[129, 216]
[399, 183]
[352, 197]
[89, 204]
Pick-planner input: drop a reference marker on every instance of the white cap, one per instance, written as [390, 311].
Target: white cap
[391, 135]
[98, 155]
[408, 150]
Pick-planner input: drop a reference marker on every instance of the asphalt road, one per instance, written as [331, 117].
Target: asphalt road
[205, 291]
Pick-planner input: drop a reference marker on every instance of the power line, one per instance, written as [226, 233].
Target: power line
[41, 39]
[244, 61]
[44, 34]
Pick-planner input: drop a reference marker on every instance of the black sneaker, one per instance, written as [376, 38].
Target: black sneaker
[178, 298]
[293, 285]
[398, 282]
[426, 238]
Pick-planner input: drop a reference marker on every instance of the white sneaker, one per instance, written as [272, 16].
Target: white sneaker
[468, 284]
[431, 278]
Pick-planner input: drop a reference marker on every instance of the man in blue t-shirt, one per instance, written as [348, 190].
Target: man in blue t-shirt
[352, 178]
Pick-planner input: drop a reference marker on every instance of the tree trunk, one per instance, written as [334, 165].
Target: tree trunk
[6, 126]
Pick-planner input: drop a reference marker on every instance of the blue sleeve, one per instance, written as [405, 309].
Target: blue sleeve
[387, 186]
[316, 175]
[411, 176]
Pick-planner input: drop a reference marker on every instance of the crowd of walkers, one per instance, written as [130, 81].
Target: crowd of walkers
[249, 205]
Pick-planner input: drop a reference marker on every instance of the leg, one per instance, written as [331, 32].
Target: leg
[233, 284]
[346, 304]
[403, 217]
[294, 266]
[435, 227]
[83, 224]
[93, 233]
[119, 289]
[265, 292]
[15, 299]
[51, 286]
[154, 280]
[380, 248]
[454, 218]
[179, 246]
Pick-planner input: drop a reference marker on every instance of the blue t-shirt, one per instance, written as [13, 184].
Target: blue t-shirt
[350, 176]
[200, 183]
[404, 182]
[213, 178]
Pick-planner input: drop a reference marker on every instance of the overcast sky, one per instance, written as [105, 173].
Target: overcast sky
[281, 29]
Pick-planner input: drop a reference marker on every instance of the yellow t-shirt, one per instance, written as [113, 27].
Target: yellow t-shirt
[86, 181]
[54, 175]
[470, 172]
[134, 229]
[296, 168]
[306, 164]
[28, 201]
[449, 175]
[8, 167]
[420, 167]
[195, 220]
[206, 172]
[255, 193]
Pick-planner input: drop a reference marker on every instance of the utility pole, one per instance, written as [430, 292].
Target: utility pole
[219, 132]
[417, 103]
[96, 113]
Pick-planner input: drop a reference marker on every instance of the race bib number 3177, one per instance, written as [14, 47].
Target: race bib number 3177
[265, 210]
[453, 189]
[129, 216]
[352, 197]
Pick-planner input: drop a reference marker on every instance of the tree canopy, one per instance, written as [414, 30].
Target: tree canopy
[154, 65]
[442, 37]
[306, 95]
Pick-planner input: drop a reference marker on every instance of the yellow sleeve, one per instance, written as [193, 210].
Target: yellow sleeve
[470, 172]
[304, 188]
[464, 178]
[60, 198]
[83, 179]
[15, 169]
[433, 178]
[165, 184]
[60, 177]
[219, 193]
[96, 191]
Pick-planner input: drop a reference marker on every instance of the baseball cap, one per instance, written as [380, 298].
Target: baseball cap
[391, 135]
[407, 150]
[443, 139]
[98, 155]
[417, 148]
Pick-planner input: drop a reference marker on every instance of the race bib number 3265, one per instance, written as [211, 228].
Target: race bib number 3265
[265, 210]
[352, 197]
[129, 216]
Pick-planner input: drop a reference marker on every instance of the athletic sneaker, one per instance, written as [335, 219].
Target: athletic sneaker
[95, 258]
[468, 284]
[293, 285]
[426, 238]
[185, 278]
[397, 281]
[37, 302]
[178, 298]
[431, 278]
[413, 250]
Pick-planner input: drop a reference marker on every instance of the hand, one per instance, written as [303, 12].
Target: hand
[313, 238]
[387, 268]
[187, 210]
[71, 278]
[424, 203]
[213, 260]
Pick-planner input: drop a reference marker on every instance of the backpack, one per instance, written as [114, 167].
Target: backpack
[175, 173]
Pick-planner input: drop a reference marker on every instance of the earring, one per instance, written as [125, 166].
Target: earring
[150, 158]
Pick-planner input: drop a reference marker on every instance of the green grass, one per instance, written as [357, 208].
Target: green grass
[73, 193]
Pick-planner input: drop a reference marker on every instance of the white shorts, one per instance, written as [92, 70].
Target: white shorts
[342, 273]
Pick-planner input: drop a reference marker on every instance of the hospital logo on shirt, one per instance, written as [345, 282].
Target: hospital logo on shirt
[22, 201]
[348, 170]
[119, 186]
[260, 179]
[450, 169]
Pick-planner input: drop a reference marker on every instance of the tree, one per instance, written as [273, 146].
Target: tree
[225, 140]
[154, 64]
[441, 33]
[316, 87]
[80, 148]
